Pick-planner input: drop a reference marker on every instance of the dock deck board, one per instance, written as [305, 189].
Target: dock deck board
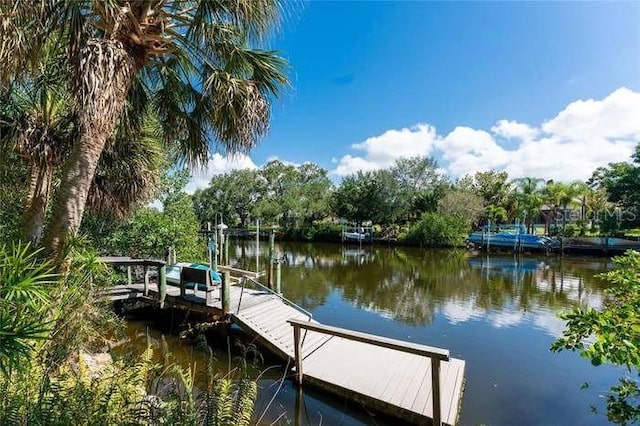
[394, 382]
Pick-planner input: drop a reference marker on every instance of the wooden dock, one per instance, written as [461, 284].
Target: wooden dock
[407, 380]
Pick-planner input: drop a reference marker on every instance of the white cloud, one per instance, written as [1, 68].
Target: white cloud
[614, 117]
[514, 130]
[586, 134]
[381, 151]
[468, 150]
[215, 166]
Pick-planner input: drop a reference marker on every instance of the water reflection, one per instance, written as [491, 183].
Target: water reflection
[497, 312]
[412, 286]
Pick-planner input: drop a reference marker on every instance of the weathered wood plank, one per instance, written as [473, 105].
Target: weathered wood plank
[371, 339]
[409, 381]
[389, 375]
[456, 381]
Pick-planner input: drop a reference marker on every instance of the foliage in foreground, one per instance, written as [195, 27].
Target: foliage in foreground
[24, 294]
[49, 321]
[615, 330]
[139, 394]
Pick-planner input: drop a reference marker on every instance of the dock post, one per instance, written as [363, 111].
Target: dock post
[129, 280]
[435, 386]
[257, 246]
[226, 251]
[272, 245]
[299, 407]
[278, 278]
[209, 251]
[298, 355]
[225, 289]
[146, 279]
[162, 284]
[222, 245]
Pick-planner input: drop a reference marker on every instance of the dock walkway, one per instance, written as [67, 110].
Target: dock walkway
[392, 376]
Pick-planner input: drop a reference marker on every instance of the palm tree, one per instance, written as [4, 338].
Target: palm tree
[38, 122]
[195, 63]
[596, 201]
[581, 190]
[558, 196]
[130, 169]
[496, 214]
[530, 197]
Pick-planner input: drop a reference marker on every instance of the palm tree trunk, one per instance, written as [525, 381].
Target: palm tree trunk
[36, 205]
[104, 75]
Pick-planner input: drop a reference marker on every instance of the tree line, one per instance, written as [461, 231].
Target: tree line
[414, 194]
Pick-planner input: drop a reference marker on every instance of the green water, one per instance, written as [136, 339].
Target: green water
[497, 312]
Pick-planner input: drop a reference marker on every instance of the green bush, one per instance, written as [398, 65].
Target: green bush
[611, 334]
[437, 230]
[571, 230]
[317, 231]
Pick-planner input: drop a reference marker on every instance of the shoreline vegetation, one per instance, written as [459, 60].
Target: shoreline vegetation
[105, 106]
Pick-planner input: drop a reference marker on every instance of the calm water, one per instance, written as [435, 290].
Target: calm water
[496, 312]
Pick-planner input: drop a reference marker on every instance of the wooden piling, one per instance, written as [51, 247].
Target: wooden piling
[435, 386]
[272, 245]
[162, 278]
[226, 251]
[226, 292]
[209, 251]
[298, 352]
[146, 280]
[278, 278]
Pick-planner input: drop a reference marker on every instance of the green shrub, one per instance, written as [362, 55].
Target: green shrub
[317, 231]
[611, 334]
[437, 230]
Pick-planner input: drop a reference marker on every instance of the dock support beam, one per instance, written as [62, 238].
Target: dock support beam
[146, 280]
[209, 251]
[278, 278]
[298, 353]
[272, 249]
[226, 250]
[162, 284]
[435, 386]
[225, 289]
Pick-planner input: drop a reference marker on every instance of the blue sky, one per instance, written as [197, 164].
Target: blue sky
[372, 81]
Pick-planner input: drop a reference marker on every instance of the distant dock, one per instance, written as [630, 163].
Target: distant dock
[416, 383]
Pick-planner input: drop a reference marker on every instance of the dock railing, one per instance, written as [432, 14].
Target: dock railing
[267, 289]
[435, 354]
[130, 263]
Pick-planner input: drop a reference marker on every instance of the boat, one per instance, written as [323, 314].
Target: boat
[356, 236]
[595, 245]
[511, 237]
